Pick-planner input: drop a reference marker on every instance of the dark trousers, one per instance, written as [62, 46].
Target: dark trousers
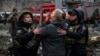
[68, 50]
[78, 50]
[25, 52]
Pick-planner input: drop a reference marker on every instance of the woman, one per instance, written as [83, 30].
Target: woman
[52, 43]
[24, 36]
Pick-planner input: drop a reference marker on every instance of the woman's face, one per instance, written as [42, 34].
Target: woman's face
[27, 18]
[52, 17]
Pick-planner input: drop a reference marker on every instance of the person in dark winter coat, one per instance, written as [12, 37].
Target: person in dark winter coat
[78, 35]
[52, 43]
[25, 42]
[12, 19]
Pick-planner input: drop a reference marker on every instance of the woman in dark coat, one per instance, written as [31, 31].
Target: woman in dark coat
[52, 43]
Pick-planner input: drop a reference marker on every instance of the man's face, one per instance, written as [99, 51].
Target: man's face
[15, 11]
[70, 16]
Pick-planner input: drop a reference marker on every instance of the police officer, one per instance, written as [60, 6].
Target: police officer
[24, 39]
[78, 33]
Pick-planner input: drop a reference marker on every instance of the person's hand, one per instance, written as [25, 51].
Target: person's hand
[37, 31]
[88, 49]
[61, 31]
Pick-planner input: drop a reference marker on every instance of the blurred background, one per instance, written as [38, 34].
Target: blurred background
[90, 7]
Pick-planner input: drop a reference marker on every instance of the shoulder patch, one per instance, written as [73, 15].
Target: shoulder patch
[19, 31]
[83, 27]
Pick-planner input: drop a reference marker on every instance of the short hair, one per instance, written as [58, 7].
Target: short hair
[14, 10]
[72, 12]
[58, 14]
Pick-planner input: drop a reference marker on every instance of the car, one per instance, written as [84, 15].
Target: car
[3, 16]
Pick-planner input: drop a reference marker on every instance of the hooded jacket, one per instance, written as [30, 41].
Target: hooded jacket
[79, 35]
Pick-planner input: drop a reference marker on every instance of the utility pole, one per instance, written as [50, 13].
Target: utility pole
[15, 3]
[1, 6]
[58, 4]
[41, 12]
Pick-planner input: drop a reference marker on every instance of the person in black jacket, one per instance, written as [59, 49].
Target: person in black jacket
[24, 39]
[78, 35]
[12, 19]
[52, 43]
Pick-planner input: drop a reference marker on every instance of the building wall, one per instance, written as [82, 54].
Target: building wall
[8, 5]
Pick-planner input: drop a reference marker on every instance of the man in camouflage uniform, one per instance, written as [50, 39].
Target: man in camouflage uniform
[77, 34]
[25, 42]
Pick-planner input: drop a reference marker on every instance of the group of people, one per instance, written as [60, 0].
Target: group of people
[62, 34]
